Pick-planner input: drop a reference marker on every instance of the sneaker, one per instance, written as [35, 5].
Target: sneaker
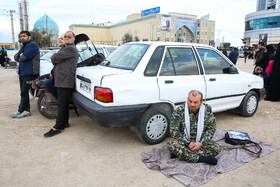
[24, 114]
[15, 114]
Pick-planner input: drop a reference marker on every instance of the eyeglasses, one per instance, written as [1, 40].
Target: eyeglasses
[68, 37]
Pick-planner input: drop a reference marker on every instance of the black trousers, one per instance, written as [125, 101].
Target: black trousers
[63, 96]
[24, 92]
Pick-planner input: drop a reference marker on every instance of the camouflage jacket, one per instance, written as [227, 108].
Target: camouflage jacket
[177, 126]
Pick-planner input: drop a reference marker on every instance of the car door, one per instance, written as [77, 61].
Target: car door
[179, 74]
[223, 89]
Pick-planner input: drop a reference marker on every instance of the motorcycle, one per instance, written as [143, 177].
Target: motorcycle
[46, 103]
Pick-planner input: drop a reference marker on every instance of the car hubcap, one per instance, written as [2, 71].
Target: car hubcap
[156, 127]
[251, 104]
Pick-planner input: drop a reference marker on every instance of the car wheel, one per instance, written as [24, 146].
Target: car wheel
[154, 125]
[249, 104]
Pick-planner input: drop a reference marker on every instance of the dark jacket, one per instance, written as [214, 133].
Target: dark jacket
[29, 62]
[64, 71]
[269, 52]
[233, 56]
[260, 58]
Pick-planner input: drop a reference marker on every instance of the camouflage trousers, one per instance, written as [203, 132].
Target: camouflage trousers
[184, 153]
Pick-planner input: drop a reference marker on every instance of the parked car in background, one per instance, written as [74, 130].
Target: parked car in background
[11, 54]
[141, 83]
[241, 54]
[43, 52]
[46, 64]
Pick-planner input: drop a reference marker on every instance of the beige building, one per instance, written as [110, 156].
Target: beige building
[174, 27]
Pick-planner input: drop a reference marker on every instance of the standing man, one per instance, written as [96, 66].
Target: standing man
[65, 63]
[29, 67]
[260, 56]
[49, 83]
[192, 128]
[233, 55]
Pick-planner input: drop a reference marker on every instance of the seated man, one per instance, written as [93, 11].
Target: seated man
[48, 83]
[192, 133]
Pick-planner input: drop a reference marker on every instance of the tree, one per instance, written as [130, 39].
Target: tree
[227, 44]
[136, 39]
[243, 41]
[127, 38]
[42, 39]
[145, 39]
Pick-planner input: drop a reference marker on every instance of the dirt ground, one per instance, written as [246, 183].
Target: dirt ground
[89, 155]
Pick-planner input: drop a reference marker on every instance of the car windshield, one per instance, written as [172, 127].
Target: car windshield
[48, 55]
[86, 52]
[110, 50]
[126, 56]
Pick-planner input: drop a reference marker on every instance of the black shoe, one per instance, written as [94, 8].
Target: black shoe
[67, 125]
[52, 133]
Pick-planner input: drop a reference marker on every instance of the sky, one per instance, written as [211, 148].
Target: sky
[229, 15]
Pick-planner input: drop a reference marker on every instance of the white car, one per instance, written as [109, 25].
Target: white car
[46, 64]
[141, 83]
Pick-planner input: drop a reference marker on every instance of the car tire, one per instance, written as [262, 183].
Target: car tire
[154, 125]
[249, 104]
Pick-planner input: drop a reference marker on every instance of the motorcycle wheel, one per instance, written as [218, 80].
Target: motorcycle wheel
[46, 109]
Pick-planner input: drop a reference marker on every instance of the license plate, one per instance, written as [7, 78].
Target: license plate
[85, 86]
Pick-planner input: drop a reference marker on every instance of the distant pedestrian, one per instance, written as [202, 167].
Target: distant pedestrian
[260, 56]
[233, 55]
[225, 52]
[2, 57]
[273, 91]
[6, 61]
[245, 55]
[269, 51]
[29, 66]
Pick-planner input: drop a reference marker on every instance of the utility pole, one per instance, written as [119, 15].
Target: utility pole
[25, 15]
[12, 23]
[12, 26]
[21, 17]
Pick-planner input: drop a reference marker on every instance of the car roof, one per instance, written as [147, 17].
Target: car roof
[158, 43]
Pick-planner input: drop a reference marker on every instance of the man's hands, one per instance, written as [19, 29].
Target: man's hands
[195, 146]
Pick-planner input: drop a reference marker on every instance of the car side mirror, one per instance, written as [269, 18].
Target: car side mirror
[230, 70]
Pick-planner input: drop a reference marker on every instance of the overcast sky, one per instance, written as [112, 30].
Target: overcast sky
[229, 15]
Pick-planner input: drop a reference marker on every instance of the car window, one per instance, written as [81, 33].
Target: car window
[213, 63]
[179, 61]
[167, 68]
[84, 54]
[110, 50]
[126, 56]
[154, 62]
[48, 55]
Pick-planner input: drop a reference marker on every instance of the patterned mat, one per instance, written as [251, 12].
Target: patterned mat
[194, 174]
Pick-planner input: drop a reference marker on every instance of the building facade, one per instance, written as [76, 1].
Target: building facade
[173, 27]
[264, 24]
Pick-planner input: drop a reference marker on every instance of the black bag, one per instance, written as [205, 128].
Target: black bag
[242, 138]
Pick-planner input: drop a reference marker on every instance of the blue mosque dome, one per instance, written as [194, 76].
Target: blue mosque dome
[45, 23]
